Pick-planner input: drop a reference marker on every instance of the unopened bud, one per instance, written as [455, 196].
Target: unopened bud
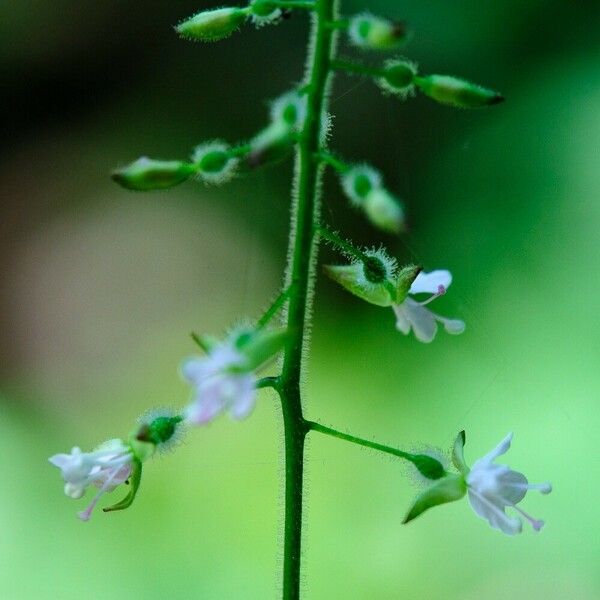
[397, 78]
[376, 33]
[358, 182]
[147, 174]
[289, 109]
[457, 92]
[264, 13]
[213, 162]
[212, 25]
[384, 210]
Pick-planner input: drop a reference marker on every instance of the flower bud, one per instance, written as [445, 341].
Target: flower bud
[212, 25]
[213, 162]
[384, 210]
[289, 109]
[375, 33]
[397, 78]
[457, 92]
[272, 144]
[358, 181]
[147, 174]
[264, 13]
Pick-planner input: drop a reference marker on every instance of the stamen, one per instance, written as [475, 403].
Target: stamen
[515, 524]
[535, 523]
[440, 292]
[87, 513]
[543, 488]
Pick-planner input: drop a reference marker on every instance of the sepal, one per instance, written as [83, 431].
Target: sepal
[259, 347]
[351, 277]
[447, 489]
[458, 459]
[404, 280]
[135, 479]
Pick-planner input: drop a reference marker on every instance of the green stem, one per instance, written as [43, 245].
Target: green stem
[329, 159]
[340, 243]
[306, 5]
[300, 275]
[361, 442]
[274, 308]
[357, 68]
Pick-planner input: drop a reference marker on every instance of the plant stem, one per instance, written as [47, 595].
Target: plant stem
[357, 68]
[341, 244]
[360, 441]
[302, 254]
[274, 308]
[339, 165]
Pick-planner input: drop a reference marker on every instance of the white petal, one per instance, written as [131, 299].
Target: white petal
[421, 319]
[194, 369]
[430, 283]
[453, 326]
[402, 323]
[500, 449]
[494, 514]
[61, 460]
[512, 487]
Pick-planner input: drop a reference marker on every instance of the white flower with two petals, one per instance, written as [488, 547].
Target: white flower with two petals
[220, 384]
[493, 488]
[411, 314]
[106, 468]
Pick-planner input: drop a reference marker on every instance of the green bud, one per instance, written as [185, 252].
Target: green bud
[397, 78]
[458, 459]
[214, 163]
[457, 92]
[447, 489]
[384, 210]
[404, 280]
[272, 144]
[352, 278]
[358, 181]
[212, 25]
[264, 12]
[375, 33]
[134, 484]
[147, 174]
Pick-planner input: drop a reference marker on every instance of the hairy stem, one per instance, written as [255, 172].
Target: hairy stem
[360, 441]
[301, 256]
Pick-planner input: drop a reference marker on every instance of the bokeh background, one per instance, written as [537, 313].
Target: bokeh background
[99, 289]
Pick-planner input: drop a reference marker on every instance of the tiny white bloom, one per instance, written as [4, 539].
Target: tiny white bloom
[107, 467]
[492, 488]
[411, 314]
[218, 386]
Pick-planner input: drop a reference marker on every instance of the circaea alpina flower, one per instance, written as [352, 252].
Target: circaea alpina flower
[493, 488]
[106, 467]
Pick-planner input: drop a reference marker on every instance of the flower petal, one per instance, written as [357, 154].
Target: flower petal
[452, 326]
[429, 283]
[500, 449]
[494, 514]
[420, 319]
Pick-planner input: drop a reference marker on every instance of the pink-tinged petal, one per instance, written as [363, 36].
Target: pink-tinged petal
[245, 401]
[430, 283]
[421, 320]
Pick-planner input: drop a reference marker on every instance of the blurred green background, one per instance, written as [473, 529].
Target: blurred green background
[99, 289]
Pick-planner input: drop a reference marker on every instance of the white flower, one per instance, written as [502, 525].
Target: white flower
[219, 385]
[492, 488]
[106, 468]
[411, 314]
